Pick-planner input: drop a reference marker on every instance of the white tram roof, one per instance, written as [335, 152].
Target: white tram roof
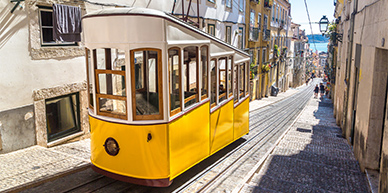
[132, 28]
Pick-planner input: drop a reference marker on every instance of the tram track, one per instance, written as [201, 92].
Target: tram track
[266, 124]
[270, 130]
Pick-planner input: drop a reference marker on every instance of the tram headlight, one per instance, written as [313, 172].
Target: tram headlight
[111, 146]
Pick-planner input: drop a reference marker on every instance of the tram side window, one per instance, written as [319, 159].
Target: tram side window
[204, 74]
[190, 75]
[242, 80]
[222, 63]
[89, 70]
[229, 86]
[213, 84]
[235, 83]
[109, 65]
[247, 71]
[174, 80]
[146, 84]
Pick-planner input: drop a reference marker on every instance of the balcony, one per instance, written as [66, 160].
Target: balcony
[267, 4]
[254, 34]
[266, 34]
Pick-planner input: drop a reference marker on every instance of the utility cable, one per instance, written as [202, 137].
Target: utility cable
[311, 27]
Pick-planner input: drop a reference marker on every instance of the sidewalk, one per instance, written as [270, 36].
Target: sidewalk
[35, 165]
[311, 157]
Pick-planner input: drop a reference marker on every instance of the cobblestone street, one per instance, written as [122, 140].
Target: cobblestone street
[312, 157]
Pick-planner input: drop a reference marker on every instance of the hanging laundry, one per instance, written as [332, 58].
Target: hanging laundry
[67, 23]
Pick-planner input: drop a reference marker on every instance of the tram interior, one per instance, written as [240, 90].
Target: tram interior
[146, 82]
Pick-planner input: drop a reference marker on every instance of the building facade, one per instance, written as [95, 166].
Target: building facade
[280, 22]
[361, 82]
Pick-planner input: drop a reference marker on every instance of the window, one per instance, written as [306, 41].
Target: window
[273, 12]
[211, 29]
[174, 67]
[228, 3]
[252, 18]
[242, 80]
[259, 21]
[46, 28]
[190, 75]
[213, 82]
[222, 89]
[258, 57]
[264, 57]
[63, 116]
[89, 74]
[228, 34]
[229, 69]
[147, 99]
[109, 65]
[241, 6]
[240, 38]
[235, 83]
[265, 23]
[204, 72]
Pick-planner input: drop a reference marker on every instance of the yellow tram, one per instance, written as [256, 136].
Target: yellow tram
[163, 94]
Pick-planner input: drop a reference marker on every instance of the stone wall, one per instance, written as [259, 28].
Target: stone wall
[36, 50]
[17, 129]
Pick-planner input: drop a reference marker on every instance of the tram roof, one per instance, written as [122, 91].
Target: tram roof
[157, 13]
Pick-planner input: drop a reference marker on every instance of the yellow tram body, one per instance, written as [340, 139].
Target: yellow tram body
[153, 149]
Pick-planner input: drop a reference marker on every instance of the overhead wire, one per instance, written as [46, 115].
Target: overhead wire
[311, 27]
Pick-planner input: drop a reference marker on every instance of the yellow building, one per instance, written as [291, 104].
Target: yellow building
[280, 22]
[258, 35]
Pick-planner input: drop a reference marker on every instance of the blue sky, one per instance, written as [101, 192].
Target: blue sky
[317, 8]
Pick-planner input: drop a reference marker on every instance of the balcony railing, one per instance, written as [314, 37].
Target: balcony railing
[267, 4]
[266, 34]
[254, 34]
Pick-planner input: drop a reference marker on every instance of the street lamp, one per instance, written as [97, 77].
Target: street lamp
[323, 23]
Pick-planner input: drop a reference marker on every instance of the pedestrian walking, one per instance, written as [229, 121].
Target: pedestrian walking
[322, 89]
[316, 90]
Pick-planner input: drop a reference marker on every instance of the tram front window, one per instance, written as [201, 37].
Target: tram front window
[146, 81]
[109, 65]
[190, 76]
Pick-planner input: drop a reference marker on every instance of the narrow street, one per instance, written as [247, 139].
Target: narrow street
[224, 171]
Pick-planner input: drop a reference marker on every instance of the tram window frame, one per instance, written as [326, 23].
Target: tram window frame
[179, 109]
[224, 96]
[204, 74]
[186, 74]
[107, 59]
[159, 88]
[242, 80]
[213, 83]
[89, 74]
[229, 76]
[236, 83]
[247, 71]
